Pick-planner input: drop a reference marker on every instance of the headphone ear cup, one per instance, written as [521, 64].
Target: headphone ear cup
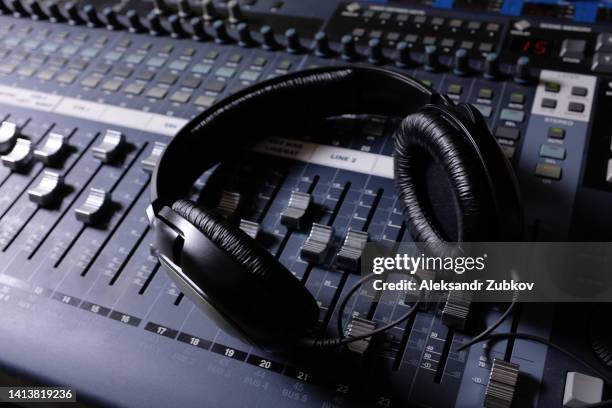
[426, 140]
[295, 308]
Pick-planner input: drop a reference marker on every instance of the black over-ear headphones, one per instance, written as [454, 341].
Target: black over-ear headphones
[236, 280]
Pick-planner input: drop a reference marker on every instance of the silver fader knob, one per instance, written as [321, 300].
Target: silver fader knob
[20, 156]
[109, 147]
[317, 244]
[96, 202]
[456, 309]
[358, 327]
[150, 162]
[47, 190]
[294, 215]
[502, 384]
[8, 135]
[51, 150]
[349, 256]
[229, 202]
[250, 228]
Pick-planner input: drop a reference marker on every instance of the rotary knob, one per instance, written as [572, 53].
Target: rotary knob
[209, 12]
[112, 21]
[402, 55]
[19, 9]
[432, 58]
[522, 70]
[294, 45]
[322, 48]
[244, 35]
[37, 11]
[269, 38]
[491, 68]
[55, 14]
[221, 35]
[93, 20]
[155, 25]
[461, 62]
[197, 28]
[349, 52]
[74, 16]
[176, 27]
[160, 7]
[234, 12]
[135, 22]
[184, 9]
[375, 52]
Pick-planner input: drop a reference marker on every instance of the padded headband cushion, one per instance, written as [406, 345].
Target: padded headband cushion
[254, 260]
[279, 103]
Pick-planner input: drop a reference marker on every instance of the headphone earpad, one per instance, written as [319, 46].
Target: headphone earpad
[428, 139]
[253, 261]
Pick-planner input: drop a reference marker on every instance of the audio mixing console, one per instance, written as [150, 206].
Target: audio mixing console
[92, 92]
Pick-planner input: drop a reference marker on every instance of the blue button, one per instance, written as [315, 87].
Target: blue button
[552, 152]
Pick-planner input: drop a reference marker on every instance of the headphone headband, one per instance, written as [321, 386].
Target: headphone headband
[315, 93]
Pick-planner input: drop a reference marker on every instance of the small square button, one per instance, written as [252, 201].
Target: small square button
[512, 115]
[211, 55]
[225, 72]
[102, 68]
[485, 110]
[260, 61]
[204, 101]
[215, 86]
[113, 85]
[135, 88]
[575, 107]
[250, 76]
[552, 152]
[145, 74]
[201, 68]
[156, 62]
[234, 58]
[551, 86]
[549, 103]
[123, 71]
[517, 97]
[180, 96]
[134, 58]
[549, 171]
[66, 78]
[284, 65]
[556, 133]
[485, 93]
[454, 89]
[467, 45]
[91, 81]
[167, 78]
[579, 91]
[178, 65]
[191, 81]
[485, 47]
[157, 92]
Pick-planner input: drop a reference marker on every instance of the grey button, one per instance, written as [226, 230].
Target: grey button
[485, 110]
[512, 115]
[191, 81]
[602, 62]
[549, 103]
[581, 390]
[180, 96]
[134, 88]
[506, 132]
[552, 152]
[575, 107]
[204, 101]
[604, 42]
[549, 171]
[215, 86]
[579, 91]
[572, 48]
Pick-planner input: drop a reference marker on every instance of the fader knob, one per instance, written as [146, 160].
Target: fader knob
[197, 28]
[349, 53]
[402, 55]
[244, 35]
[19, 9]
[112, 21]
[294, 46]
[322, 48]
[522, 70]
[461, 62]
[136, 25]
[491, 68]
[155, 24]
[55, 14]
[234, 13]
[209, 12]
[375, 52]
[268, 37]
[221, 35]
[176, 27]
[93, 20]
[74, 16]
[37, 11]
[432, 58]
